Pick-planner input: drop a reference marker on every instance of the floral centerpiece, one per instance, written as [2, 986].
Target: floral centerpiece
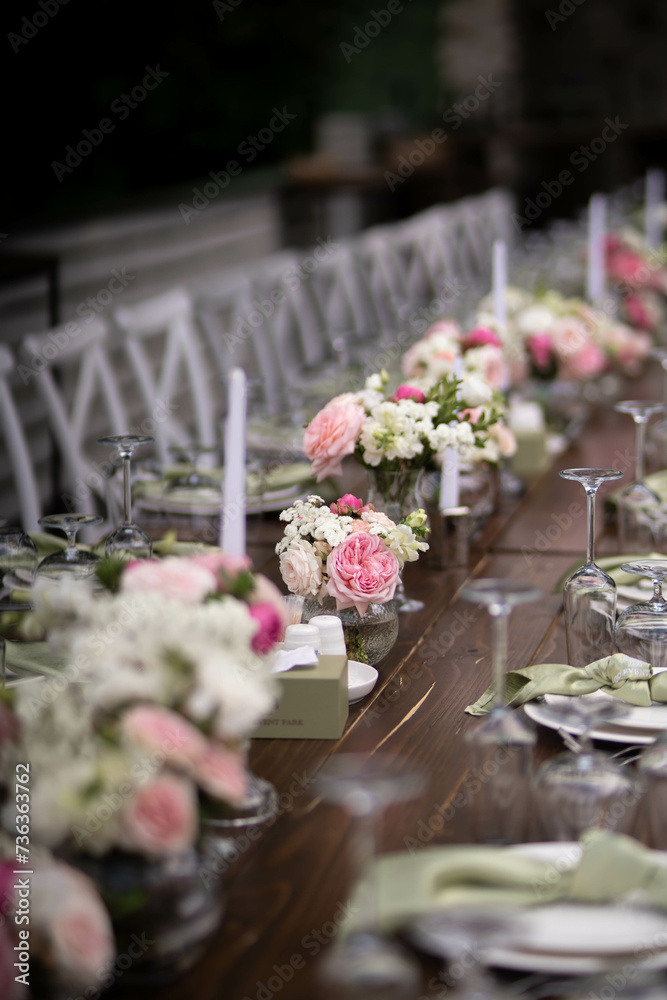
[480, 351]
[350, 553]
[637, 274]
[143, 733]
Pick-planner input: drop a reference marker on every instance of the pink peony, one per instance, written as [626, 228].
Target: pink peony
[70, 921]
[222, 565]
[160, 819]
[362, 570]
[173, 577]
[157, 729]
[480, 337]
[629, 268]
[271, 627]
[541, 349]
[222, 774]
[637, 312]
[408, 392]
[586, 363]
[301, 569]
[347, 504]
[331, 435]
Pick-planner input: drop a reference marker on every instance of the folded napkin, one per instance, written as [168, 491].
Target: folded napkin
[408, 886]
[621, 676]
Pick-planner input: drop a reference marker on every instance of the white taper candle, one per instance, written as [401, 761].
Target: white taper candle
[233, 513]
[499, 282]
[654, 198]
[595, 273]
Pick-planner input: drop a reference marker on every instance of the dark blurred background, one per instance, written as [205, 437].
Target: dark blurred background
[559, 67]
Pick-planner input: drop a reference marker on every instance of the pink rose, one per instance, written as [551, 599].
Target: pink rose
[266, 592]
[157, 729]
[331, 435]
[222, 774]
[585, 363]
[160, 818]
[69, 918]
[270, 630]
[541, 349]
[504, 438]
[480, 337]
[348, 504]
[448, 327]
[173, 577]
[362, 570]
[358, 525]
[637, 312]
[408, 392]
[223, 566]
[301, 569]
[628, 267]
[472, 414]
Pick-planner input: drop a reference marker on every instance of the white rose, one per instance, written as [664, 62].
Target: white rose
[301, 569]
[535, 319]
[474, 391]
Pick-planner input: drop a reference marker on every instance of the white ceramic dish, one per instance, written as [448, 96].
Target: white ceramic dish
[613, 734]
[361, 679]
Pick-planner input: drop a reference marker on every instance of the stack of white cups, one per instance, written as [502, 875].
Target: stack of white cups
[297, 636]
[332, 639]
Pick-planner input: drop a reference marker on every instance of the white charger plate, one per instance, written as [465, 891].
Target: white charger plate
[612, 733]
[573, 938]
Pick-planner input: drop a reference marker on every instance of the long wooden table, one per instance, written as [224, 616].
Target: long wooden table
[289, 887]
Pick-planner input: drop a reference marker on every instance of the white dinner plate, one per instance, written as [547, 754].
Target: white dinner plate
[573, 938]
[179, 502]
[361, 679]
[612, 733]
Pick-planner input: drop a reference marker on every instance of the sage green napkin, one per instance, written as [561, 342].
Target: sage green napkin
[408, 886]
[31, 658]
[621, 676]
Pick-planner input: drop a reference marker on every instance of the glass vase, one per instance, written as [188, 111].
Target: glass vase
[368, 638]
[163, 912]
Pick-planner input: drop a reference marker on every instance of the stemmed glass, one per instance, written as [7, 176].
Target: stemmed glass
[502, 743]
[590, 593]
[658, 434]
[575, 792]
[71, 563]
[18, 563]
[641, 630]
[128, 538]
[636, 532]
[367, 963]
[193, 479]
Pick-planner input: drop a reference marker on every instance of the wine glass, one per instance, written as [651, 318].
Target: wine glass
[193, 479]
[128, 539]
[590, 593]
[18, 564]
[636, 532]
[71, 563]
[579, 791]
[501, 744]
[366, 962]
[641, 630]
[657, 437]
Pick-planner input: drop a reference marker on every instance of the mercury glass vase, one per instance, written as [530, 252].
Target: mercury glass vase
[368, 638]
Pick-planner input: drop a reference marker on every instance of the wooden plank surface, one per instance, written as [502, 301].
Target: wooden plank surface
[287, 888]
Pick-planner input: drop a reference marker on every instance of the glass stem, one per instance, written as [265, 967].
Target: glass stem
[499, 616]
[71, 533]
[366, 835]
[590, 509]
[127, 488]
[641, 445]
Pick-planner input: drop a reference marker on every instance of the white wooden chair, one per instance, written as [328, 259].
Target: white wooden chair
[163, 344]
[16, 445]
[83, 403]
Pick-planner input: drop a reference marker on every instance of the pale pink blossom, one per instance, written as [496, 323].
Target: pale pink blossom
[222, 774]
[173, 577]
[157, 729]
[638, 312]
[224, 567]
[569, 335]
[585, 363]
[160, 819]
[362, 570]
[358, 525]
[448, 327]
[495, 370]
[331, 435]
[301, 569]
[472, 414]
[504, 438]
[70, 923]
[378, 517]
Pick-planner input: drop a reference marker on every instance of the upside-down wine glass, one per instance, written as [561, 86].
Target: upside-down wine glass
[366, 963]
[641, 630]
[589, 594]
[501, 745]
[576, 792]
[635, 525]
[128, 539]
[656, 449]
[192, 478]
[71, 563]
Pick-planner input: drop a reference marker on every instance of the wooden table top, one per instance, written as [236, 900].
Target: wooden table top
[289, 886]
